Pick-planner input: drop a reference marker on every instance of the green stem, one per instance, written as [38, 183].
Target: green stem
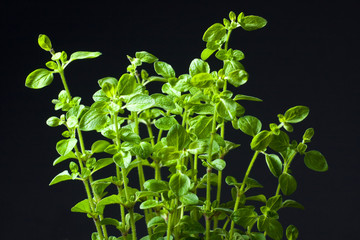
[168, 235]
[227, 40]
[132, 222]
[241, 191]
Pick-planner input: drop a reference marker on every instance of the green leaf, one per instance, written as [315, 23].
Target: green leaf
[274, 203]
[65, 146]
[122, 159]
[63, 176]
[191, 226]
[112, 199]
[94, 119]
[202, 80]
[309, 133]
[280, 143]
[214, 33]
[83, 55]
[274, 164]
[227, 108]
[292, 203]
[272, 227]
[288, 183]
[189, 199]
[251, 22]
[154, 185]
[60, 159]
[257, 236]
[206, 53]
[201, 126]
[149, 204]
[244, 217]
[238, 77]
[178, 137]
[245, 97]
[157, 220]
[39, 78]
[126, 84]
[146, 57]
[296, 114]
[196, 147]
[231, 66]
[165, 123]
[140, 102]
[180, 184]
[218, 164]
[82, 207]
[259, 198]
[315, 161]
[165, 102]
[249, 125]
[99, 146]
[292, 233]
[143, 150]
[261, 140]
[53, 122]
[44, 42]
[164, 69]
[198, 66]
[110, 221]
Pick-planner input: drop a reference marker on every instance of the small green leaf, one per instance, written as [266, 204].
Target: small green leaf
[178, 137]
[143, 150]
[44, 42]
[227, 108]
[198, 66]
[214, 33]
[296, 114]
[191, 226]
[180, 184]
[288, 183]
[83, 55]
[39, 78]
[157, 220]
[99, 146]
[280, 143]
[94, 119]
[244, 217]
[101, 163]
[261, 140]
[154, 185]
[292, 204]
[201, 126]
[63, 176]
[315, 161]
[251, 22]
[238, 77]
[189, 199]
[140, 102]
[218, 164]
[122, 159]
[165, 123]
[292, 233]
[53, 122]
[164, 69]
[65, 146]
[274, 203]
[309, 133]
[149, 204]
[272, 227]
[82, 207]
[126, 84]
[202, 80]
[245, 97]
[274, 164]
[206, 53]
[112, 199]
[249, 125]
[146, 57]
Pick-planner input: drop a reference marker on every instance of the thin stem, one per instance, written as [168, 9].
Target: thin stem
[241, 190]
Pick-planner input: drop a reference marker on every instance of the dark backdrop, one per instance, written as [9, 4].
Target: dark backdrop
[307, 54]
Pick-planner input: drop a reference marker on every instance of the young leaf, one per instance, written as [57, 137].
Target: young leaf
[292, 233]
[122, 159]
[99, 146]
[189, 199]
[245, 97]
[249, 125]
[218, 164]
[82, 207]
[238, 77]
[164, 69]
[202, 80]
[274, 164]
[146, 57]
[39, 78]
[165, 123]
[178, 137]
[214, 33]
[280, 143]
[157, 220]
[261, 140]
[274, 203]
[53, 121]
[65, 146]
[94, 119]
[201, 126]
[198, 66]
[206, 53]
[126, 84]
[143, 150]
[315, 161]
[227, 109]
[288, 183]
[63, 176]
[140, 102]
[44, 42]
[180, 184]
[296, 114]
[272, 227]
[83, 55]
[154, 185]
[251, 22]
[309, 133]
[244, 217]
[149, 204]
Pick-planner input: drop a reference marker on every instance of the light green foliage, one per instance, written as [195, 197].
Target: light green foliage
[178, 134]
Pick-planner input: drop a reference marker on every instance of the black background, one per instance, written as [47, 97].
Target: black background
[306, 55]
